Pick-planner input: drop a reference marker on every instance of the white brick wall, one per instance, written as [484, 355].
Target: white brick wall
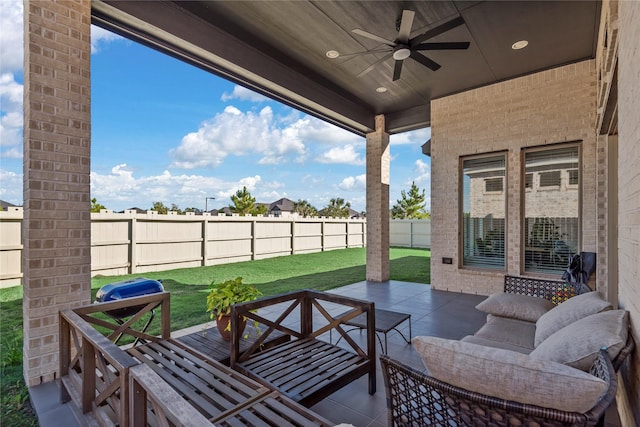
[629, 199]
[550, 107]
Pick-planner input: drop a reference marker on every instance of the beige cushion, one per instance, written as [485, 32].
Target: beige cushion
[578, 344]
[509, 375]
[515, 306]
[568, 312]
[474, 339]
[508, 331]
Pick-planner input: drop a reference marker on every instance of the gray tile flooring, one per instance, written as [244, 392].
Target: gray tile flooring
[436, 313]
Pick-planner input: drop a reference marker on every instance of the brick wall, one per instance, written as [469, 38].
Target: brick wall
[549, 107]
[56, 226]
[378, 165]
[629, 199]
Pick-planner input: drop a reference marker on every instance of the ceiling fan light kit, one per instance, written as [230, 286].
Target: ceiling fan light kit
[403, 47]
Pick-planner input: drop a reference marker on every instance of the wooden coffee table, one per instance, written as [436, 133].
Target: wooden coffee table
[386, 321]
[209, 341]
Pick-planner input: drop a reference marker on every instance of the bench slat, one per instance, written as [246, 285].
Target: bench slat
[184, 389]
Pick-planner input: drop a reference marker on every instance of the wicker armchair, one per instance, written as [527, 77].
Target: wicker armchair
[417, 399]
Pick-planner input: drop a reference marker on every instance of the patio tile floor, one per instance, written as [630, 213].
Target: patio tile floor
[438, 313]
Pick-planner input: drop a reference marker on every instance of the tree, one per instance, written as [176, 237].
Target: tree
[304, 208]
[411, 206]
[337, 208]
[259, 209]
[243, 202]
[159, 207]
[175, 208]
[95, 206]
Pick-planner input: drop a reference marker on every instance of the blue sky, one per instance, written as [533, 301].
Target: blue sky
[165, 131]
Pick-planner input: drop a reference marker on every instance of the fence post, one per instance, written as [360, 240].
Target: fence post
[253, 239]
[133, 259]
[205, 239]
[293, 236]
[411, 234]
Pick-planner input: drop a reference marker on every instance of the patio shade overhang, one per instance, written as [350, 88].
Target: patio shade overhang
[279, 48]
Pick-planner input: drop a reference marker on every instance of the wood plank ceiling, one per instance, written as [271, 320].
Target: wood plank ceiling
[279, 48]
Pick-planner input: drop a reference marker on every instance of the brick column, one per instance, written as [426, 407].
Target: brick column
[57, 223]
[378, 203]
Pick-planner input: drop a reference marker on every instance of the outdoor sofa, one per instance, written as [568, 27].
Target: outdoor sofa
[538, 361]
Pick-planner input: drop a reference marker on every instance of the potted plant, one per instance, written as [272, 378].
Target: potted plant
[222, 296]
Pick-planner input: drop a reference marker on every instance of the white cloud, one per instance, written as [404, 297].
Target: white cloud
[11, 21]
[250, 182]
[233, 132]
[243, 94]
[121, 189]
[101, 37]
[417, 137]
[11, 116]
[422, 173]
[354, 183]
[315, 130]
[346, 154]
[11, 187]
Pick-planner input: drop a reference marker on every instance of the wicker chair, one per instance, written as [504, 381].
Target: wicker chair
[417, 399]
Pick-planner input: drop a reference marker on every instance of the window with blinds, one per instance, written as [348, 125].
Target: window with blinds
[483, 211]
[551, 208]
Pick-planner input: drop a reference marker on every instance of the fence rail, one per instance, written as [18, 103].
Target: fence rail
[131, 242]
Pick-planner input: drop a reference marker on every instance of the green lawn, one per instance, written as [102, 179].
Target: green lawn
[188, 287]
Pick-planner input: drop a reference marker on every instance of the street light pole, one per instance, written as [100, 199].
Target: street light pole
[206, 203]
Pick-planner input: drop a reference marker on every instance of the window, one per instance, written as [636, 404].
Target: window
[528, 181]
[483, 212]
[573, 176]
[550, 179]
[551, 215]
[492, 185]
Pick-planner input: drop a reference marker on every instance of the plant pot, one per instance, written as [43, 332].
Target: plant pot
[222, 323]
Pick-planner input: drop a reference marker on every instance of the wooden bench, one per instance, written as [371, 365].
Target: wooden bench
[307, 368]
[160, 381]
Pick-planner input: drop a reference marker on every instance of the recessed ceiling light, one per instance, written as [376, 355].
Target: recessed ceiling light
[332, 54]
[381, 89]
[521, 44]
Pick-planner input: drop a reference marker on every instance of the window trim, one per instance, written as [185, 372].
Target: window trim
[580, 187]
[460, 210]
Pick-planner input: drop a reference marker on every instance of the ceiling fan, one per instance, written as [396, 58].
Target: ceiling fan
[404, 47]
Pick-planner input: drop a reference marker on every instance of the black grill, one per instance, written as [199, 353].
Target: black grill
[128, 289]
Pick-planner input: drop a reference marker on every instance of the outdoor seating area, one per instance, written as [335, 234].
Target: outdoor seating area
[164, 380]
[534, 362]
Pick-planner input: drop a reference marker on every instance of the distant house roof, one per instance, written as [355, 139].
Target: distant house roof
[282, 205]
[355, 214]
[6, 205]
[138, 210]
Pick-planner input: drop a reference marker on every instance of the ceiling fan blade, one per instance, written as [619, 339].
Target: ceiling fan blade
[442, 46]
[456, 22]
[432, 65]
[372, 66]
[405, 26]
[368, 35]
[397, 70]
[364, 52]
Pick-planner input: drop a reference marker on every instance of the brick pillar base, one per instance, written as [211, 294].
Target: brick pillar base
[378, 163]
[57, 222]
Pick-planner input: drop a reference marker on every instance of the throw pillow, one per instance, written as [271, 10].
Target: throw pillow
[509, 375]
[568, 312]
[515, 306]
[578, 344]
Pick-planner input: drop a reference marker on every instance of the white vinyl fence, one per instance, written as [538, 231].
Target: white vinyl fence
[130, 242]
